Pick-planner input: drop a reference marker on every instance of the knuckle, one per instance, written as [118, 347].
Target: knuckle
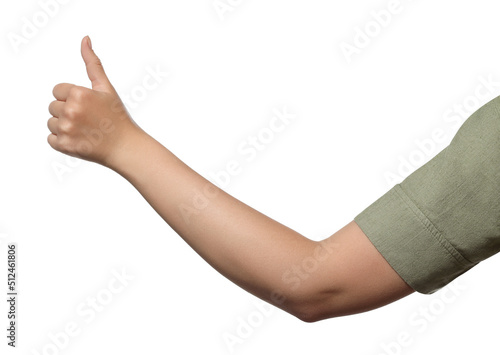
[71, 111]
[65, 144]
[77, 93]
[98, 62]
[66, 127]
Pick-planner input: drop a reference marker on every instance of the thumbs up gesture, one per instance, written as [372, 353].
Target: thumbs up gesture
[91, 124]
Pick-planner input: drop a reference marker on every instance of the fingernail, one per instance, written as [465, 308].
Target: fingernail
[89, 42]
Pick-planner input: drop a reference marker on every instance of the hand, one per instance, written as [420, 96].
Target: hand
[91, 124]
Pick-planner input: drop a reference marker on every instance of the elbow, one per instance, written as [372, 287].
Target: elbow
[314, 307]
[307, 315]
[318, 291]
[311, 313]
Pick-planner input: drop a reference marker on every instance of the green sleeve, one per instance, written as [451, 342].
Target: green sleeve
[444, 218]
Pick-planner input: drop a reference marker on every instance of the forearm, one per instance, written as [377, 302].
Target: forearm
[249, 248]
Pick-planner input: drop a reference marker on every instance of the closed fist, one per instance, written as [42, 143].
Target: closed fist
[91, 124]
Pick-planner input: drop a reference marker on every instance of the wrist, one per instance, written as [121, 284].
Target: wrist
[129, 151]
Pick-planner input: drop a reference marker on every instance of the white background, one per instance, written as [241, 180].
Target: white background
[355, 122]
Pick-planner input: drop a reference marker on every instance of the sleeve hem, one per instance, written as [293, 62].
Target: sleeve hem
[410, 243]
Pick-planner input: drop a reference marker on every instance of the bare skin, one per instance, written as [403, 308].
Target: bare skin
[312, 280]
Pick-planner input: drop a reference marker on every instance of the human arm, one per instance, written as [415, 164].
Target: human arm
[313, 280]
[340, 275]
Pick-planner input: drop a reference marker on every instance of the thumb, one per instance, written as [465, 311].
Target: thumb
[95, 70]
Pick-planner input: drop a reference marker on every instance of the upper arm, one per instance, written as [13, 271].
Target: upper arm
[354, 277]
